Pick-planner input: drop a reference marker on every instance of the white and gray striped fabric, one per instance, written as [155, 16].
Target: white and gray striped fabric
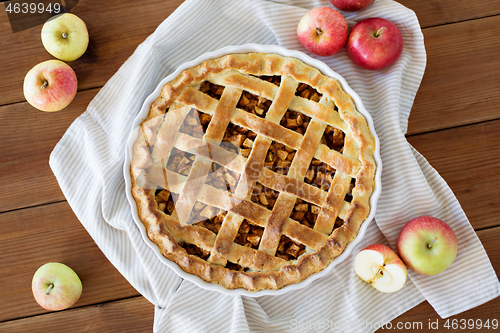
[89, 158]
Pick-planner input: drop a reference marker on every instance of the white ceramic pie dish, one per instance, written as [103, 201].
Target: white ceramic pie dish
[326, 70]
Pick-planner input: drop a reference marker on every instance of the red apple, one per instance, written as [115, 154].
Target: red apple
[351, 5]
[378, 265]
[374, 43]
[323, 31]
[427, 245]
[50, 86]
[55, 286]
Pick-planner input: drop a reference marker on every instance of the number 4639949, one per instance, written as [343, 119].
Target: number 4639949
[32, 8]
[471, 324]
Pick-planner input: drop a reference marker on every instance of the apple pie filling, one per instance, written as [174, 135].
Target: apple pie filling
[278, 159]
[308, 92]
[249, 234]
[180, 162]
[264, 196]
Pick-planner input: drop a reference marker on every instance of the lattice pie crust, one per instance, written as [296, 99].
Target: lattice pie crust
[253, 171]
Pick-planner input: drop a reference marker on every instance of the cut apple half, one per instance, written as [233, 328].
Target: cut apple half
[379, 266]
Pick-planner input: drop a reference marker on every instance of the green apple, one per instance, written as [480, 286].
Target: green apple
[50, 86]
[55, 286]
[65, 36]
[379, 266]
[427, 245]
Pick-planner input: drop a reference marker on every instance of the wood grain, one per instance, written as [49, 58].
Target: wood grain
[454, 123]
[467, 158]
[25, 176]
[51, 233]
[136, 314]
[462, 78]
[115, 28]
[425, 314]
[432, 12]
[131, 315]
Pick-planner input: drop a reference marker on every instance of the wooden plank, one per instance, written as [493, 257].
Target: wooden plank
[21, 51]
[51, 233]
[461, 81]
[423, 318]
[26, 141]
[136, 314]
[467, 158]
[115, 28]
[425, 314]
[432, 12]
[130, 315]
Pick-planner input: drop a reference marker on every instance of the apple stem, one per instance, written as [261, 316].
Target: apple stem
[49, 288]
[44, 85]
[319, 31]
[379, 31]
[64, 35]
[432, 243]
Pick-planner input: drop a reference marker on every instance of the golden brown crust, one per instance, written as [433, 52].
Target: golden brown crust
[262, 267]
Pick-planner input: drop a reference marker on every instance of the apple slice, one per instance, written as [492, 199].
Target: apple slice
[379, 266]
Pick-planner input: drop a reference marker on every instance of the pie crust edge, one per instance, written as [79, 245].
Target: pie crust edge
[257, 64]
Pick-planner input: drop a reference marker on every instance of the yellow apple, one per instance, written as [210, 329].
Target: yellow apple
[65, 36]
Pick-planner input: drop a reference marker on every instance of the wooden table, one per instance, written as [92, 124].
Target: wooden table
[455, 124]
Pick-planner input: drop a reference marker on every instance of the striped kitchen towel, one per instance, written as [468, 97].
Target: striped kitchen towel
[89, 158]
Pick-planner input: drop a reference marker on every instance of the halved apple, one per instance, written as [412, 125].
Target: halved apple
[379, 266]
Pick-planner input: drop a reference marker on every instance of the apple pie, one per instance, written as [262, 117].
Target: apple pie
[253, 170]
